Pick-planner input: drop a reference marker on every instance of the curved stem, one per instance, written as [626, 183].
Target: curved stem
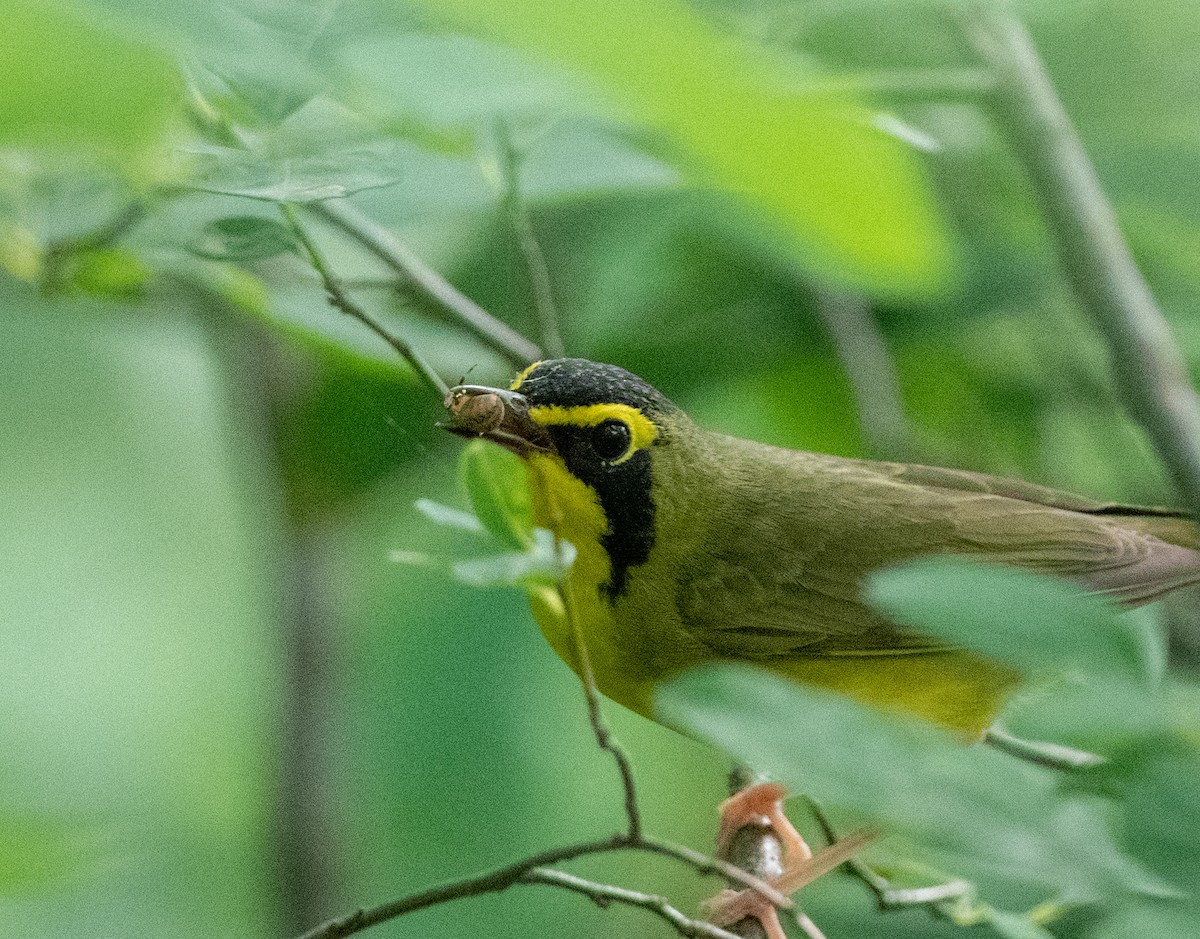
[1147, 367]
[605, 894]
[340, 299]
[396, 255]
[531, 250]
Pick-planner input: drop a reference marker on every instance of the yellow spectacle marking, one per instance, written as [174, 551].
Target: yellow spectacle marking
[525, 374]
[642, 430]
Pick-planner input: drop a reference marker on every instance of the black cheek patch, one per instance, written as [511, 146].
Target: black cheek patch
[628, 503]
[625, 497]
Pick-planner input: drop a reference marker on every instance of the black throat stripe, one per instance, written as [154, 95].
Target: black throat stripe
[628, 503]
[626, 498]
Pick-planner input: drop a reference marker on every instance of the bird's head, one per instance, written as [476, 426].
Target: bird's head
[587, 423]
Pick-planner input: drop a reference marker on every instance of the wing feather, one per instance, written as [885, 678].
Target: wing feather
[837, 519]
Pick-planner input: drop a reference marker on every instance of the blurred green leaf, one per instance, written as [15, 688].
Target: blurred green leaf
[1097, 716]
[496, 484]
[1160, 781]
[852, 196]
[246, 238]
[451, 81]
[1027, 620]
[542, 563]
[1012, 926]
[114, 273]
[37, 850]
[1162, 920]
[320, 151]
[70, 81]
[969, 810]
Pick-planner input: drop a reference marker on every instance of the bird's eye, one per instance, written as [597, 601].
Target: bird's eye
[610, 439]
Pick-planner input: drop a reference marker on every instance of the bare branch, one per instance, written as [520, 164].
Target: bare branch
[1149, 372]
[872, 373]
[705, 864]
[341, 300]
[396, 255]
[491, 882]
[604, 894]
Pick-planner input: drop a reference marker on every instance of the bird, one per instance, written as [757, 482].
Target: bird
[694, 547]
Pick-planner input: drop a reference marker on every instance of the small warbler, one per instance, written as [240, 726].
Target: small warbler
[694, 546]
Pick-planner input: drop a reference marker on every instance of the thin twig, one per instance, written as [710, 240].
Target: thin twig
[531, 250]
[341, 300]
[1050, 755]
[396, 255]
[604, 738]
[1148, 370]
[872, 373]
[888, 897]
[705, 864]
[491, 882]
[605, 894]
[504, 877]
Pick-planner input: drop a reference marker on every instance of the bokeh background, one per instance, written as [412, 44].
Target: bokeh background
[224, 710]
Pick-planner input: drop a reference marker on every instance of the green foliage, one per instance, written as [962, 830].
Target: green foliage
[1021, 618]
[1121, 835]
[495, 482]
[246, 238]
[69, 81]
[863, 213]
[199, 456]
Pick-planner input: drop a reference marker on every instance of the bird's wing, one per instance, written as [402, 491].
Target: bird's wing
[841, 519]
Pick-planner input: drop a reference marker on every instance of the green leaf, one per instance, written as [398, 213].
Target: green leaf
[71, 83]
[321, 151]
[1012, 926]
[965, 809]
[109, 272]
[1161, 798]
[1097, 716]
[852, 198]
[245, 238]
[499, 493]
[1025, 619]
[37, 850]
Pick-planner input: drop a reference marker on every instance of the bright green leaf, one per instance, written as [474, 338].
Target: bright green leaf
[69, 82]
[1025, 619]
[495, 482]
[851, 196]
[114, 273]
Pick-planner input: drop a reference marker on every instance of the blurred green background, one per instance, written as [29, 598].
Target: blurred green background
[225, 711]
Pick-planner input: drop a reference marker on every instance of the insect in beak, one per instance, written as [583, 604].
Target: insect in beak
[497, 415]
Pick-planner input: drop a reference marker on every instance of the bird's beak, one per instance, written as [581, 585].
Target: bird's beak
[496, 415]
